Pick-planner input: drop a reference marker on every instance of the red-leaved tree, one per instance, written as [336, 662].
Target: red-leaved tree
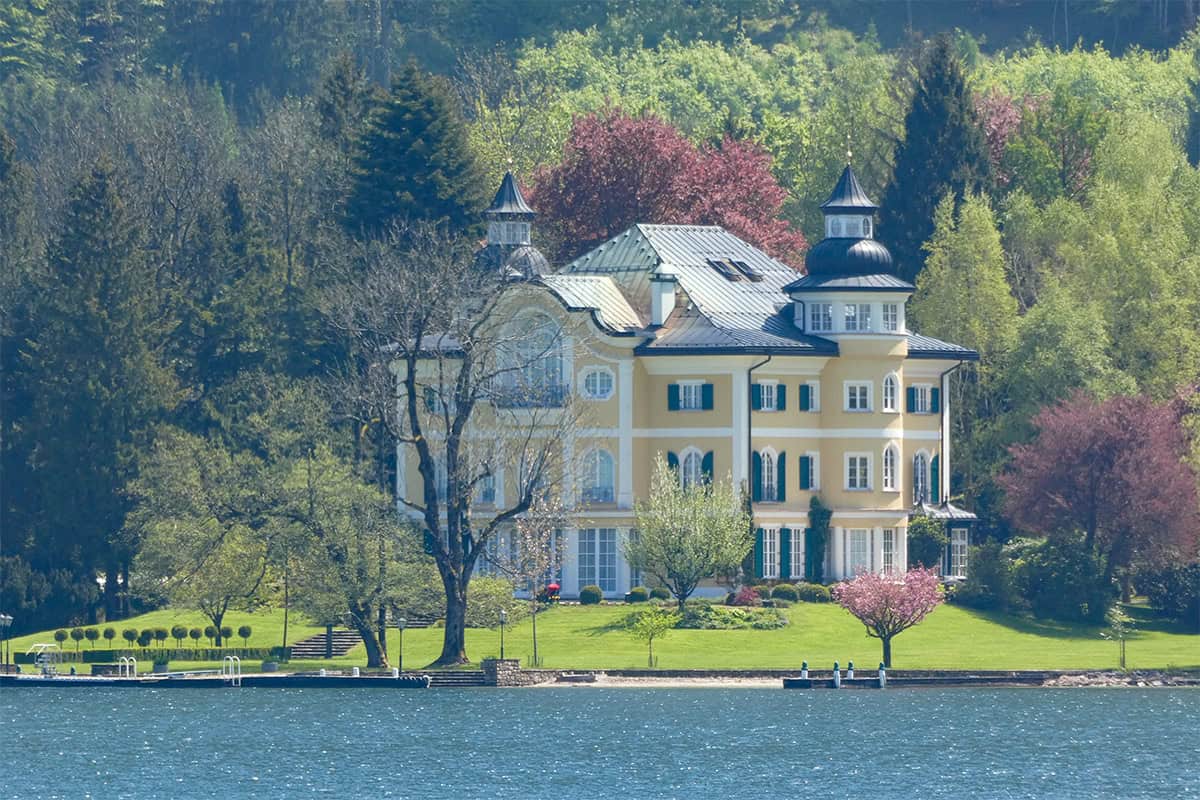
[890, 604]
[618, 170]
[1113, 470]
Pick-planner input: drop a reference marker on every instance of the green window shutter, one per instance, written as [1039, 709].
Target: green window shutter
[706, 397]
[781, 478]
[805, 472]
[756, 397]
[672, 461]
[805, 397]
[673, 397]
[781, 397]
[706, 466]
[935, 400]
[785, 554]
[758, 552]
[910, 397]
[935, 485]
[756, 477]
[809, 570]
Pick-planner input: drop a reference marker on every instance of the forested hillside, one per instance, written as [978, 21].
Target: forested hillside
[180, 183]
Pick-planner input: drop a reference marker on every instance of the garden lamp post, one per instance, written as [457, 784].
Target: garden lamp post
[400, 625]
[503, 619]
[5, 622]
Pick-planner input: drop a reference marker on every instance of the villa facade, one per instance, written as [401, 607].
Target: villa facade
[685, 342]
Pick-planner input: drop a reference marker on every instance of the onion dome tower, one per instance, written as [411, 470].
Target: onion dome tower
[510, 220]
[849, 247]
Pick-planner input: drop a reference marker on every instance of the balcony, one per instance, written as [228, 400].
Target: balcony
[596, 495]
[551, 396]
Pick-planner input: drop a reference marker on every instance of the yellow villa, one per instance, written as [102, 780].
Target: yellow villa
[684, 341]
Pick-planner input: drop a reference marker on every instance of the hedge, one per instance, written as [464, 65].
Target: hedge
[171, 654]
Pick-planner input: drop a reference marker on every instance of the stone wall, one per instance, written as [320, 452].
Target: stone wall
[508, 672]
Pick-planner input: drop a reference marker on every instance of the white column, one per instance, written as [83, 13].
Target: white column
[568, 477]
[839, 555]
[625, 434]
[570, 563]
[739, 413]
[622, 567]
[798, 554]
[877, 549]
[944, 461]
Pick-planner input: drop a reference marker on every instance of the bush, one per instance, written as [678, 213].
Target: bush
[226, 633]
[145, 638]
[813, 593]
[785, 591]
[927, 540]
[779, 602]
[660, 593]
[244, 632]
[487, 597]
[195, 634]
[60, 636]
[590, 595]
[130, 635]
[91, 634]
[77, 636]
[1061, 578]
[724, 618]
[989, 583]
[1174, 591]
[746, 596]
[638, 594]
[210, 633]
[763, 591]
[109, 634]
[179, 633]
[160, 635]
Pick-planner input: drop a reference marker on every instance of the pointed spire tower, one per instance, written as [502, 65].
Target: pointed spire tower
[849, 246]
[510, 220]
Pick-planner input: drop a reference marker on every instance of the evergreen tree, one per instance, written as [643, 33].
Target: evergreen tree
[343, 100]
[95, 356]
[414, 162]
[944, 150]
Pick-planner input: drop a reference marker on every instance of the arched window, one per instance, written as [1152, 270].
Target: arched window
[532, 363]
[770, 485]
[891, 393]
[598, 477]
[691, 471]
[891, 460]
[835, 226]
[866, 226]
[920, 478]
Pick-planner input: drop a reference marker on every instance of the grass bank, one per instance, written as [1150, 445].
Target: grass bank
[588, 637]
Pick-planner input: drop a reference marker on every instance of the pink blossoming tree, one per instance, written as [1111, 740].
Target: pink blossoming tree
[889, 604]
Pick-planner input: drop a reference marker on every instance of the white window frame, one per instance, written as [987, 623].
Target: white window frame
[921, 477]
[891, 393]
[856, 317]
[890, 470]
[814, 470]
[852, 478]
[889, 317]
[796, 568]
[921, 398]
[854, 537]
[601, 567]
[869, 388]
[959, 541]
[770, 469]
[686, 477]
[597, 372]
[592, 469]
[770, 553]
[486, 485]
[820, 319]
[866, 227]
[691, 392]
[888, 552]
[771, 389]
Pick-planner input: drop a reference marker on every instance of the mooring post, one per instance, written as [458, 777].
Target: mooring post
[850, 670]
[882, 676]
[837, 676]
[804, 669]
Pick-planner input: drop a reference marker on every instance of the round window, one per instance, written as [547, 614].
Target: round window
[597, 384]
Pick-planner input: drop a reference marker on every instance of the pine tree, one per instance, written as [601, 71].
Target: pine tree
[944, 150]
[95, 356]
[414, 161]
[343, 100]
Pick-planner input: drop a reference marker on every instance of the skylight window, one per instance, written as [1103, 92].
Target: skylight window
[726, 269]
[750, 272]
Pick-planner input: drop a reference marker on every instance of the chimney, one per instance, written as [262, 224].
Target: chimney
[662, 298]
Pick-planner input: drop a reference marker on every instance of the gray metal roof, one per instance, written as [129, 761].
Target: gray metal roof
[943, 511]
[920, 346]
[599, 294]
[848, 195]
[509, 201]
[690, 332]
[849, 283]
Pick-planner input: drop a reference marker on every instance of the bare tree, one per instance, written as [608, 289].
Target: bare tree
[535, 554]
[463, 379]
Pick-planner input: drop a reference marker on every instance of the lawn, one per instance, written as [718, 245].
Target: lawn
[588, 637]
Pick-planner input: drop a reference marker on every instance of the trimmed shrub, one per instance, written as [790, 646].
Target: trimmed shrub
[747, 596]
[145, 638]
[195, 634]
[226, 633]
[590, 595]
[161, 635]
[659, 593]
[210, 633]
[779, 602]
[724, 618]
[763, 591]
[638, 594]
[927, 540]
[244, 632]
[130, 635]
[60, 636]
[179, 633]
[813, 593]
[785, 591]
[91, 634]
[77, 637]
[109, 634]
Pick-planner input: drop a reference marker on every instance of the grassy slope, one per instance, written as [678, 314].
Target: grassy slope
[586, 638]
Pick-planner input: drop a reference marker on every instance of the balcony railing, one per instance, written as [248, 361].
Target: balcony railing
[596, 494]
[552, 396]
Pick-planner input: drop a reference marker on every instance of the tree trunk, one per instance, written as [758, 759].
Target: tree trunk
[887, 652]
[376, 658]
[454, 645]
[536, 661]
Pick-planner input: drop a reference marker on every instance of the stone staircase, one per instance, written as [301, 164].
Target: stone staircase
[314, 646]
[455, 679]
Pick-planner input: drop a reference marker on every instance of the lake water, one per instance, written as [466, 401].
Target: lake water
[583, 743]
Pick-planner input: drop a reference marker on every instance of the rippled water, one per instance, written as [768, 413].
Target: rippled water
[599, 743]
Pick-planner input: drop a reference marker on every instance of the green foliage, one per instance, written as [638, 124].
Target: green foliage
[91, 634]
[195, 634]
[130, 635]
[1061, 578]
[731, 618]
[487, 597]
[1174, 591]
[990, 581]
[785, 591]
[60, 636]
[1051, 154]
[590, 595]
[927, 540]
[109, 634]
[813, 593]
[650, 624]
[413, 161]
[244, 632]
[638, 594]
[659, 593]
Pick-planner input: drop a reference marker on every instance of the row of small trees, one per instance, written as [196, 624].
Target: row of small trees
[147, 636]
